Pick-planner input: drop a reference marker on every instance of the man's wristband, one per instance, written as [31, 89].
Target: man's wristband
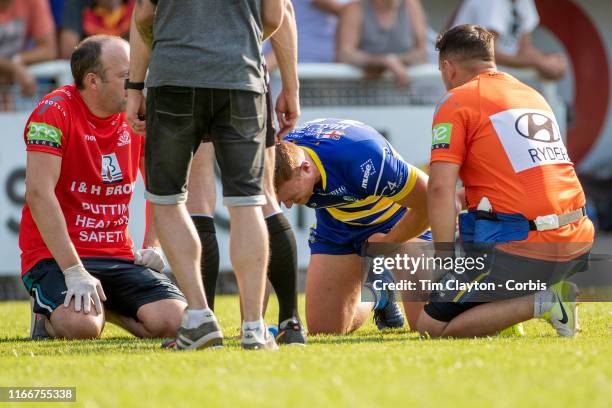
[134, 85]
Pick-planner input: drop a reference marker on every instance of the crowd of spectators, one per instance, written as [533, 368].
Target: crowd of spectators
[374, 35]
[27, 36]
[33, 31]
[513, 21]
[380, 35]
[82, 18]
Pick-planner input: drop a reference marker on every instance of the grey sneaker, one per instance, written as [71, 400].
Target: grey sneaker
[291, 332]
[38, 331]
[251, 341]
[206, 335]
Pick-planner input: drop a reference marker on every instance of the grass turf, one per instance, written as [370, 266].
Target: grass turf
[367, 368]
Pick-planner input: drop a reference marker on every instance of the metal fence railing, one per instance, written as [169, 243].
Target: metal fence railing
[326, 85]
[320, 85]
[339, 84]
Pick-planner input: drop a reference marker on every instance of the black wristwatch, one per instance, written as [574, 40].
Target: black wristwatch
[133, 85]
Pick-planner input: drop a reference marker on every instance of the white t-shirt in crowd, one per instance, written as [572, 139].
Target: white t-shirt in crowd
[510, 19]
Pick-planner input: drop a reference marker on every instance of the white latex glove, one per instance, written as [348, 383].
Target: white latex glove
[150, 257]
[83, 287]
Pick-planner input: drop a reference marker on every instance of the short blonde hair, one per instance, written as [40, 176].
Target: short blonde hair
[287, 163]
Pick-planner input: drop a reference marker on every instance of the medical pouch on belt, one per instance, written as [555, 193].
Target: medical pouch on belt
[482, 227]
[485, 227]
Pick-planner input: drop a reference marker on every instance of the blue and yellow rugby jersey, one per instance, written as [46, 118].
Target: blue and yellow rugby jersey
[362, 176]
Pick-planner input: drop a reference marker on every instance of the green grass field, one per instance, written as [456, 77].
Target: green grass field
[367, 368]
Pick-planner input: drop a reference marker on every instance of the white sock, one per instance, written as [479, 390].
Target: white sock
[195, 317]
[374, 295]
[543, 302]
[258, 326]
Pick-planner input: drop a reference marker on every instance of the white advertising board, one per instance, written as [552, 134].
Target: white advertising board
[406, 127]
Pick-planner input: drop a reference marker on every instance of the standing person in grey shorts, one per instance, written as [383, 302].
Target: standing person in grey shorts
[206, 80]
[282, 266]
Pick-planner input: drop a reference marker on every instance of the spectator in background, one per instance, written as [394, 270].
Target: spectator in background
[512, 22]
[57, 10]
[379, 35]
[27, 36]
[316, 31]
[83, 18]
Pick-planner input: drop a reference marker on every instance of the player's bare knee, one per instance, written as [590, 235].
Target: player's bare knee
[422, 328]
[163, 318]
[412, 314]
[164, 326]
[323, 326]
[426, 327]
[314, 329]
[322, 329]
[77, 325]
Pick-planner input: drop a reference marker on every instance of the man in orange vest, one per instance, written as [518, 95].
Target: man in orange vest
[524, 201]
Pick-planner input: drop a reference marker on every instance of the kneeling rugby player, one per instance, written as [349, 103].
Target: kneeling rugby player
[361, 190]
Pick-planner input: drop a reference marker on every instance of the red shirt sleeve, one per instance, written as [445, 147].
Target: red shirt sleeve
[47, 129]
[449, 130]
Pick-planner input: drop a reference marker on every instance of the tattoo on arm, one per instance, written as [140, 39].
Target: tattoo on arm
[145, 25]
[146, 33]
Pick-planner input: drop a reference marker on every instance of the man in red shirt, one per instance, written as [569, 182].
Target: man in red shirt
[82, 164]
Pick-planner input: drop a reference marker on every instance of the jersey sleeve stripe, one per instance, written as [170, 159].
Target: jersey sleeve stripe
[365, 201]
[393, 209]
[407, 187]
[390, 213]
[318, 163]
[340, 215]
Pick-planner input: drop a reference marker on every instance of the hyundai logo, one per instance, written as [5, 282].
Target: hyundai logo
[536, 126]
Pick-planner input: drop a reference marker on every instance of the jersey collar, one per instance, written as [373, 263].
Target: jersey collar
[317, 161]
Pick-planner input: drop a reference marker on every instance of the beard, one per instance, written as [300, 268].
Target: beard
[122, 105]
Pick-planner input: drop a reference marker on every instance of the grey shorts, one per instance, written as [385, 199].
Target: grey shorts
[179, 119]
[270, 129]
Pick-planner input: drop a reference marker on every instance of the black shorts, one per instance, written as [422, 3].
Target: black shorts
[270, 129]
[127, 286]
[527, 274]
[179, 119]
